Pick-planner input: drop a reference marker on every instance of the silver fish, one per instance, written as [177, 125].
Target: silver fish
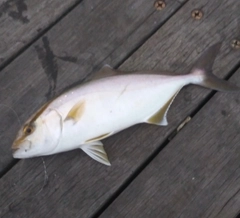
[111, 102]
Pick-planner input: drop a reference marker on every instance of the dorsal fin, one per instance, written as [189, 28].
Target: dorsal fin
[160, 117]
[76, 112]
[105, 71]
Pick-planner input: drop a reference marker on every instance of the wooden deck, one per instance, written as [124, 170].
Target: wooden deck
[46, 46]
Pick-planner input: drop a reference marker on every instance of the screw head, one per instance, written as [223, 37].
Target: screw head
[159, 5]
[197, 14]
[235, 43]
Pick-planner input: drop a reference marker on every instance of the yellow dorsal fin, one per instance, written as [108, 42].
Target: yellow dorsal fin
[76, 112]
[160, 117]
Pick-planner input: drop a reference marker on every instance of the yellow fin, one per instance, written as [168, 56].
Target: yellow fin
[160, 117]
[98, 138]
[76, 112]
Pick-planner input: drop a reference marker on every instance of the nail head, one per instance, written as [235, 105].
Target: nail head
[159, 5]
[197, 14]
[235, 43]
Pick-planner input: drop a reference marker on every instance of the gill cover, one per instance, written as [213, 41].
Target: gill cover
[53, 123]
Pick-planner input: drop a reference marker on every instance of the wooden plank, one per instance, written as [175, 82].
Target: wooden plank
[22, 21]
[32, 78]
[73, 48]
[197, 174]
[74, 172]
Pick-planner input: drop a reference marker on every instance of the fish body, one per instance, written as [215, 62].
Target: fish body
[86, 114]
[110, 105]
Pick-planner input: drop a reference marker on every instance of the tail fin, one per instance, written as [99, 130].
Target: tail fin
[203, 68]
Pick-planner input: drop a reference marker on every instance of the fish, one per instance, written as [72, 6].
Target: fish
[112, 101]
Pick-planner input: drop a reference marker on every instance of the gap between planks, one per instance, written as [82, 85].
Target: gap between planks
[37, 37]
[238, 216]
[151, 33]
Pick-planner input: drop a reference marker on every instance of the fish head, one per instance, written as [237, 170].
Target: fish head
[37, 137]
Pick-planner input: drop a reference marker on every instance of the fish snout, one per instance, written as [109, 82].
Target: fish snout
[21, 145]
[15, 146]
[14, 149]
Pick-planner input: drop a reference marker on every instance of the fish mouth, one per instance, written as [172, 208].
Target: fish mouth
[15, 155]
[14, 149]
[14, 152]
[20, 150]
[17, 144]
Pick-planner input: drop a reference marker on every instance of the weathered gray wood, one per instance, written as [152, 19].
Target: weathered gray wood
[197, 174]
[77, 185]
[91, 34]
[23, 20]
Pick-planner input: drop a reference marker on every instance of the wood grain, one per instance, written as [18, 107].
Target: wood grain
[78, 186]
[22, 21]
[197, 174]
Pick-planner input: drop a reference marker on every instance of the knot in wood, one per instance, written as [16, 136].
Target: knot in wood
[197, 14]
[159, 5]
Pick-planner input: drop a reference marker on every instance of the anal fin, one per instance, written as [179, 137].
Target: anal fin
[96, 151]
[160, 117]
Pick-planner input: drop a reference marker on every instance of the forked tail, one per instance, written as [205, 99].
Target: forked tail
[203, 69]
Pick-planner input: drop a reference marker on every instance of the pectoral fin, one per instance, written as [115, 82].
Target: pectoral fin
[96, 151]
[76, 112]
[160, 117]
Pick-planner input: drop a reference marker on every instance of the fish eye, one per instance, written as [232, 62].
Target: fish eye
[28, 130]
